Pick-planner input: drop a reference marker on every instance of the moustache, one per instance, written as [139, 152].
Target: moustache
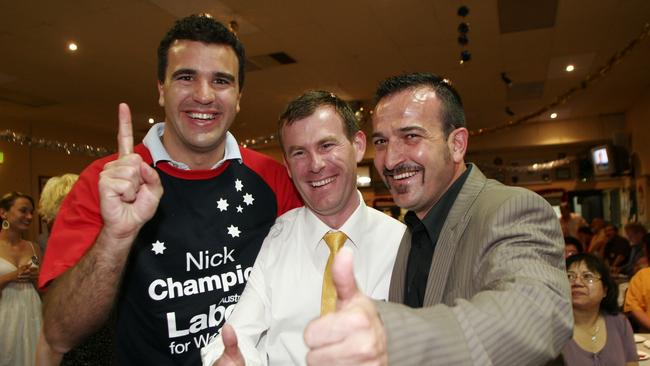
[402, 168]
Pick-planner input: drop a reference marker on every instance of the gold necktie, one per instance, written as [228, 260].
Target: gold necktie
[335, 241]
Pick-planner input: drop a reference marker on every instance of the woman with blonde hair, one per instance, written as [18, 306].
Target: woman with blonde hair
[54, 191]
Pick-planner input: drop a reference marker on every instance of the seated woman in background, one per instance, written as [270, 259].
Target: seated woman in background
[20, 304]
[601, 336]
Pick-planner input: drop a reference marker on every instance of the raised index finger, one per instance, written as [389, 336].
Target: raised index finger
[124, 130]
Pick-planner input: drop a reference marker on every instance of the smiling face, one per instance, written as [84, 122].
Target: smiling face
[585, 295]
[417, 161]
[19, 215]
[322, 163]
[201, 96]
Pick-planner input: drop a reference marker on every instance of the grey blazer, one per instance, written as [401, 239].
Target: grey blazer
[497, 292]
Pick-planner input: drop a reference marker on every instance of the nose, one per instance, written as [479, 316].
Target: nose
[393, 155]
[317, 163]
[203, 92]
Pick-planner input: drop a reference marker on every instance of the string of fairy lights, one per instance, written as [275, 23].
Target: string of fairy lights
[69, 148]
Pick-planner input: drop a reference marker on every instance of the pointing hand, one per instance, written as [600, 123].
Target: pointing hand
[129, 189]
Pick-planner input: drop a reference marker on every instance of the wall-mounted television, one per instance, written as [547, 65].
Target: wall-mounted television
[603, 158]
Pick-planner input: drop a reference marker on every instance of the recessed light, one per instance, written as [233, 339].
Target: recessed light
[72, 46]
[570, 68]
[151, 121]
[553, 115]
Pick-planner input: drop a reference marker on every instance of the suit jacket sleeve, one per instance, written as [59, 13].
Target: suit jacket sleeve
[520, 311]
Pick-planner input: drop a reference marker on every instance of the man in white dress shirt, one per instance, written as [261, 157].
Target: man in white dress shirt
[322, 145]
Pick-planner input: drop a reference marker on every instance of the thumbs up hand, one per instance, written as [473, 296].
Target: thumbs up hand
[354, 334]
[231, 355]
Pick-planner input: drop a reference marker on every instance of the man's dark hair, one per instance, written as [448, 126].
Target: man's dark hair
[453, 114]
[585, 230]
[575, 242]
[306, 104]
[200, 28]
[635, 227]
[609, 304]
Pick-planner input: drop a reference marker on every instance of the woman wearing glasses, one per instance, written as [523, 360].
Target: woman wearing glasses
[20, 305]
[601, 336]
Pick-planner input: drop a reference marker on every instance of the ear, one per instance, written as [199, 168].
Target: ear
[161, 95]
[359, 143]
[457, 144]
[238, 99]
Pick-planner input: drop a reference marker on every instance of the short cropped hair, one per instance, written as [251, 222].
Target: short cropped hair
[609, 304]
[200, 28]
[53, 194]
[306, 104]
[453, 114]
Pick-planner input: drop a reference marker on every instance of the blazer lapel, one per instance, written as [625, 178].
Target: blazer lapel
[448, 241]
[397, 280]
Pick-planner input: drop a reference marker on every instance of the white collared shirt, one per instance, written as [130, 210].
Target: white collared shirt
[284, 289]
[158, 152]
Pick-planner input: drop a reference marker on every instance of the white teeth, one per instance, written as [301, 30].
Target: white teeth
[205, 116]
[323, 182]
[405, 175]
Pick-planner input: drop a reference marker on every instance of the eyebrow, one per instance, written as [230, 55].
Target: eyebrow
[329, 138]
[183, 72]
[403, 130]
[226, 75]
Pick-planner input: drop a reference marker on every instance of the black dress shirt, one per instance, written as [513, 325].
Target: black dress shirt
[424, 236]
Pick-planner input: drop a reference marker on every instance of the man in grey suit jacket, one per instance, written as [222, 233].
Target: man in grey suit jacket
[482, 280]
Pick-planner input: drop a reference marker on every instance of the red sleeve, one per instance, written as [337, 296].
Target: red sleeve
[78, 222]
[275, 175]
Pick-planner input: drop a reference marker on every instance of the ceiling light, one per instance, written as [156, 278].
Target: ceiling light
[553, 115]
[151, 121]
[72, 46]
[570, 68]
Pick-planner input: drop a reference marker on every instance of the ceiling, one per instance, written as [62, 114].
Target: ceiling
[343, 46]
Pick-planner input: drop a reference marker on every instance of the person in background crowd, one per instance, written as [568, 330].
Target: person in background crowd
[572, 246]
[189, 209]
[54, 191]
[634, 232]
[482, 280]
[570, 222]
[322, 144]
[20, 304]
[637, 297]
[601, 336]
[585, 235]
[599, 238]
[643, 261]
[617, 249]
